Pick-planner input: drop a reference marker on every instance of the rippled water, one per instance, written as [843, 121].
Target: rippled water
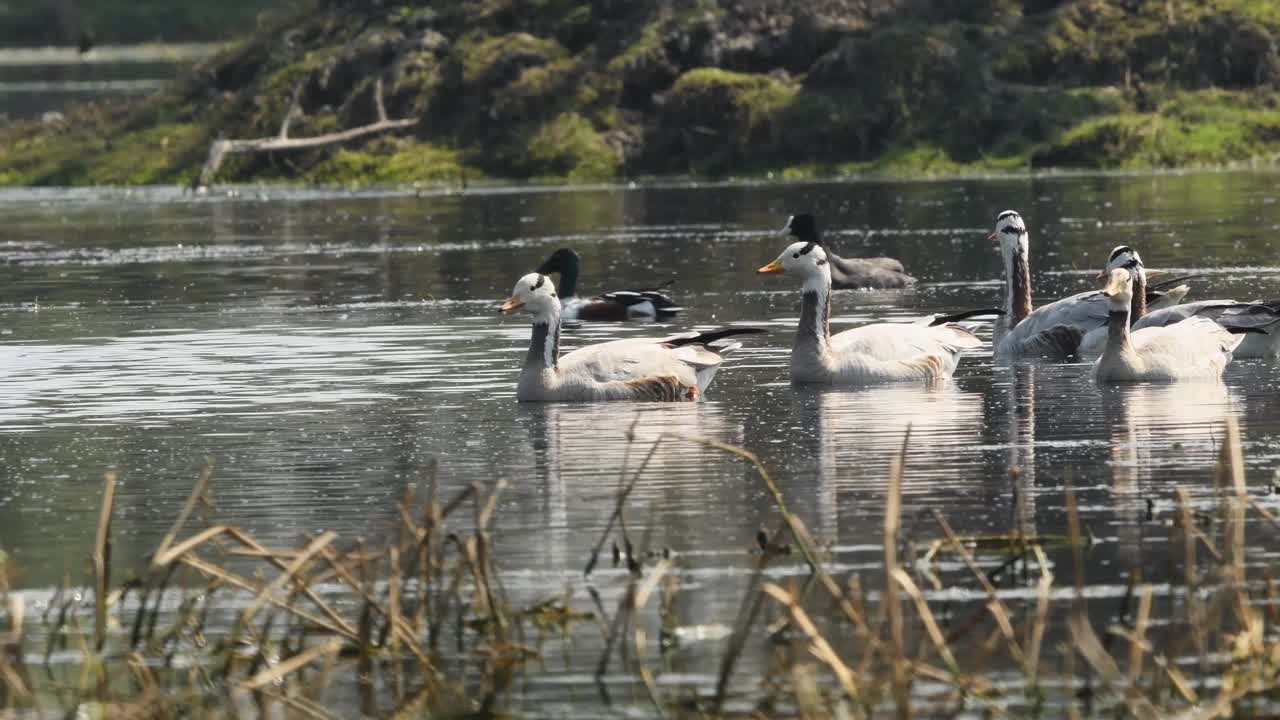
[325, 349]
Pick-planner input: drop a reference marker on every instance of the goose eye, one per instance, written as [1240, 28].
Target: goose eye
[532, 288]
[797, 255]
[553, 294]
[821, 262]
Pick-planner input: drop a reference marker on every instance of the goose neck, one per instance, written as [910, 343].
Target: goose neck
[1118, 328]
[1138, 308]
[814, 331]
[544, 349]
[1017, 301]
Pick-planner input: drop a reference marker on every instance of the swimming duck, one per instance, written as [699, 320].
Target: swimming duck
[1057, 330]
[1145, 297]
[677, 367]
[1194, 349]
[850, 273]
[868, 355]
[646, 304]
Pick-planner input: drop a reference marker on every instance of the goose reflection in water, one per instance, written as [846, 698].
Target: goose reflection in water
[849, 439]
[1155, 428]
[582, 450]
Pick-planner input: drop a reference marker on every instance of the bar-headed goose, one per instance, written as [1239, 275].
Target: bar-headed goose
[1145, 297]
[646, 304]
[1055, 330]
[1195, 349]
[1260, 321]
[867, 355]
[850, 273]
[679, 367]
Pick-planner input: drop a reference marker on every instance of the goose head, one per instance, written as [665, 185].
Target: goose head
[807, 260]
[1011, 233]
[561, 261]
[537, 295]
[802, 227]
[1123, 256]
[1119, 289]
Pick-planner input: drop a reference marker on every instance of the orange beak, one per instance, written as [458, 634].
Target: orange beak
[510, 304]
[992, 236]
[771, 269]
[1102, 275]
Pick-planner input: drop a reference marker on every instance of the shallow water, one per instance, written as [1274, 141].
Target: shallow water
[325, 349]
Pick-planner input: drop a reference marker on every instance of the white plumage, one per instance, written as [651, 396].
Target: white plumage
[1195, 349]
[677, 367]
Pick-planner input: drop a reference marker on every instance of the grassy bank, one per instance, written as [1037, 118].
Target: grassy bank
[423, 624]
[585, 90]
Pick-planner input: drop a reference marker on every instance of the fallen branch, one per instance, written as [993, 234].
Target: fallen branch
[220, 149]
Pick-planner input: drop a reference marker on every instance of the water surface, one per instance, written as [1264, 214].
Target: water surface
[325, 349]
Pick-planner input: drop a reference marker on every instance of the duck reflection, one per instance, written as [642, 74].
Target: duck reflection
[1155, 429]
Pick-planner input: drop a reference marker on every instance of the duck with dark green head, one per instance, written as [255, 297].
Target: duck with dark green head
[850, 273]
[643, 304]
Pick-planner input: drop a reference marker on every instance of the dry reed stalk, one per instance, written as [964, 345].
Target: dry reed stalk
[926, 616]
[1136, 648]
[818, 645]
[403, 631]
[1190, 579]
[893, 611]
[624, 491]
[197, 492]
[995, 606]
[102, 560]
[1090, 648]
[289, 574]
[280, 670]
[1035, 637]
[748, 610]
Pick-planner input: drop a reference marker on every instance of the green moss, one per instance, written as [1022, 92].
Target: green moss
[1203, 128]
[483, 58]
[392, 162]
[166, 153]
[570, 147]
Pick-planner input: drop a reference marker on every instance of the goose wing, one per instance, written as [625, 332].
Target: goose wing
[1056, 329]
[1194, 346]
[902, 341]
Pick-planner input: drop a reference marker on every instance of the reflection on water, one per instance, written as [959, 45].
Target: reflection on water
[324, 350]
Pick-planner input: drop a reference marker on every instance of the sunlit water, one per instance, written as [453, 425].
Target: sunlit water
[37, 80]
[323, 350]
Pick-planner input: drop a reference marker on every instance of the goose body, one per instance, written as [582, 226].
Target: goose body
[869, 355]
[643, 304]
[1195, 349]
[1247, 316]
[1145, 298]
[677, 367]
[850, 273]
[1056, 330]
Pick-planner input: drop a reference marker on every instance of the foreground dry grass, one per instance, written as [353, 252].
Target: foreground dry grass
[219, 625]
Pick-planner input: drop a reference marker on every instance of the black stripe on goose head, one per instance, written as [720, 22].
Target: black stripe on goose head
[1120, 249]
[542, 280]
[1007, 214]
[803, 227]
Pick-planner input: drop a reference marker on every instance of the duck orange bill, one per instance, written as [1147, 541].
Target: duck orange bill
[773, 267]
[993, 235]
[511, 304]
[1115, 285]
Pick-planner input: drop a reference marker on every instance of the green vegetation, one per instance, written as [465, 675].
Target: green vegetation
[596, 89]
